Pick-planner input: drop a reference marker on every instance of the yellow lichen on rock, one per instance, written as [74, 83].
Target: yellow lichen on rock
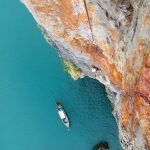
[72, 69]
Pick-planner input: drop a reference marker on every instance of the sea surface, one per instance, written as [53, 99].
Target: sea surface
[31, 79]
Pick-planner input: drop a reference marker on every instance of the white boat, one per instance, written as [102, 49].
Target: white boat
[62, 114]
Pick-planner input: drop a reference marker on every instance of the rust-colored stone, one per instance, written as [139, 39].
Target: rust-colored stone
[147, 18]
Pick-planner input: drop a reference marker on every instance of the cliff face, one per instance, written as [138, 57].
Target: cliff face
[108, 40]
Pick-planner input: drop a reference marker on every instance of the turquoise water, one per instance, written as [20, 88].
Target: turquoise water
[31, 78]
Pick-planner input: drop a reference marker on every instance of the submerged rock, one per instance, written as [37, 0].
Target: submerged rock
[101, 146]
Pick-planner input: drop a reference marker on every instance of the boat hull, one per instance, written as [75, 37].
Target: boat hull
[62, 115]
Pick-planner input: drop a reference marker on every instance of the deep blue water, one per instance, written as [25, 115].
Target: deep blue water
[31, 78]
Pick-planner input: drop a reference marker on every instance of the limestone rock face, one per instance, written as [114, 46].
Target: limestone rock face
[108, 40]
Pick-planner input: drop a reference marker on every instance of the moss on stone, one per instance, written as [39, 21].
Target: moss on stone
[72, 69]
[46, 38]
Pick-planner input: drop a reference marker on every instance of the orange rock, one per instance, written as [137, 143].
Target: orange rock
[144, 86]
[125, 110]
[43, 9]
[147, 18]
[147, 64]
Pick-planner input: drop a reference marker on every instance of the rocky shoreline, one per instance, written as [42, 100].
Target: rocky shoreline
[107, 40]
